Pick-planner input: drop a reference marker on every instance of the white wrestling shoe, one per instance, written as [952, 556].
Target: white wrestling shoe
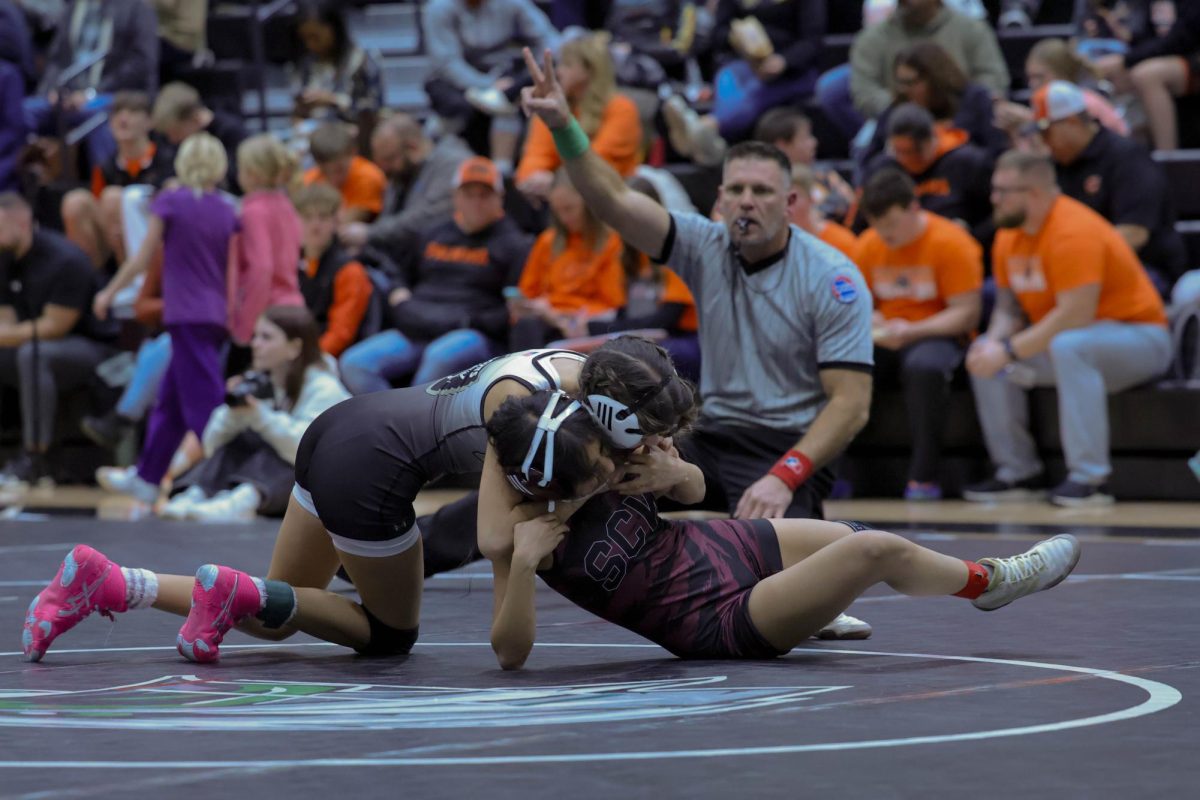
[845, 627]
[238, 505]
[126, 480]
[181, 505]
[1042, 566]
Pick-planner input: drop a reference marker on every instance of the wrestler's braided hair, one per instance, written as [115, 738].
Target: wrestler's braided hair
[627, 368]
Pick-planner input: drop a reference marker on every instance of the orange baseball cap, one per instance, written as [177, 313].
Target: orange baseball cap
[1056, 101]
[478, 169]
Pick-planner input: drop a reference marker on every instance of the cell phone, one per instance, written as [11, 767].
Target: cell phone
[511, 292]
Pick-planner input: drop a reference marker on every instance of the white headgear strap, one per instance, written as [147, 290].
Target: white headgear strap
[548, 424]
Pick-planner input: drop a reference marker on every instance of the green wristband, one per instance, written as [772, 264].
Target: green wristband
[570, 140]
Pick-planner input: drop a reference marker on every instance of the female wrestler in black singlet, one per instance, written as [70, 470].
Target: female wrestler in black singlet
[358, 469]
[711, 589]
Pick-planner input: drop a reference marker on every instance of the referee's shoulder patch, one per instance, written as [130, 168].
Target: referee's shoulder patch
[844, 289]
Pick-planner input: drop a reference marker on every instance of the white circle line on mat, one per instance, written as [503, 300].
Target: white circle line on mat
[1160, 696]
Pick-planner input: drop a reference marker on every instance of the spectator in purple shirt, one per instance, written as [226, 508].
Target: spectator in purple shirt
[194, 225]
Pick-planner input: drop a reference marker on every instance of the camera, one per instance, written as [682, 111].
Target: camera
[254, 384]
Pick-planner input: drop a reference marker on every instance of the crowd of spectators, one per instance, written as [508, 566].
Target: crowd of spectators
[380, 249]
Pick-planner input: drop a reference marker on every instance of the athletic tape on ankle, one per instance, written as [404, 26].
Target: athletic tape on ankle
[570, 140]
[280, 606]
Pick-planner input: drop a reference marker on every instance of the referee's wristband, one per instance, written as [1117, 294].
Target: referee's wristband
[794, 468]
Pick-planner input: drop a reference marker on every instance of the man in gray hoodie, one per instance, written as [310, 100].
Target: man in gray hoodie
[970, 42]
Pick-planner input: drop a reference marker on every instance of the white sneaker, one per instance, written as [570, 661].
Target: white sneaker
[689, 135]
[1017, 18]
[125, 480]
[1040, 567]
[679, 118]
[490, 101]
[239, 505]
[180, 506]
[845, 627]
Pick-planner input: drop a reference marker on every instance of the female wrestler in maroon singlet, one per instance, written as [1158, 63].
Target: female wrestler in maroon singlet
[700, 589]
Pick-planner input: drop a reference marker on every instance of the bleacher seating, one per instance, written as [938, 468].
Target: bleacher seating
[1152, 433]
[1183, 172]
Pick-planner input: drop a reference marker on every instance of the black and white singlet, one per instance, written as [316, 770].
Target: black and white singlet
[363, 461]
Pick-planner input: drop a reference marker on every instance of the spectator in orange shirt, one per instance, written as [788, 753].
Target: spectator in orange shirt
[360, 182]
[609, 119]
[926, 274]
[1075, 310]
[806, 212]
[658, 306]
[573, 274]
[92, 217]
[336, 288]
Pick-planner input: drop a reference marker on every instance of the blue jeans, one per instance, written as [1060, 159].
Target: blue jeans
[100, 144]
[152, 359]
[741, 98]
[374, 364]
[833, 95]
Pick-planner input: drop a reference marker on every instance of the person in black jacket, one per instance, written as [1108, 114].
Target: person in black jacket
[448, 308]
[952, 174]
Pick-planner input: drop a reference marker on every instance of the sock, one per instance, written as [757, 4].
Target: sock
[141, 588]
[978, 578]
[278, 603]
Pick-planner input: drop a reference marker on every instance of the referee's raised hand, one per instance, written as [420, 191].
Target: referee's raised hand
[545, 97]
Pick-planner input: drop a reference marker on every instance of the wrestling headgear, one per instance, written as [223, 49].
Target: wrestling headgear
[620, 421]
[530, 480]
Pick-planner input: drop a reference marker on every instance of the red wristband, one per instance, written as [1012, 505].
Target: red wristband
[794, 468]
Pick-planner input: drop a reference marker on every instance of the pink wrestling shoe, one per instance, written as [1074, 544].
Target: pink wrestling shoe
[221, 598]
[87, 581]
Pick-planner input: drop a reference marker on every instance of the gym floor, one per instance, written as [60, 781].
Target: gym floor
[1087, 690]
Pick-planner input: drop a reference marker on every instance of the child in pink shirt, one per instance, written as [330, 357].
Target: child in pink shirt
[263, 258]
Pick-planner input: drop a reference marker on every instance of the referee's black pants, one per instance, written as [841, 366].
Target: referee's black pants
[732, 457]
[925, 371]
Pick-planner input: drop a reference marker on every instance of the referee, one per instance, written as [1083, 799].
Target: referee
[785, 320]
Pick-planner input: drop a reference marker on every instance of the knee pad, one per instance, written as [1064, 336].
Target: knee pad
[386, 640]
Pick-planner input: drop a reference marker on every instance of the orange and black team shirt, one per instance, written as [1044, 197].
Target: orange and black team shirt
[458, 279]
[914, 282]
[154, 167]
[1075, 247]
[337, 290]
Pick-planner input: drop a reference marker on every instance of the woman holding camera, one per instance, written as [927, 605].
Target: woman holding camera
[250, 442]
